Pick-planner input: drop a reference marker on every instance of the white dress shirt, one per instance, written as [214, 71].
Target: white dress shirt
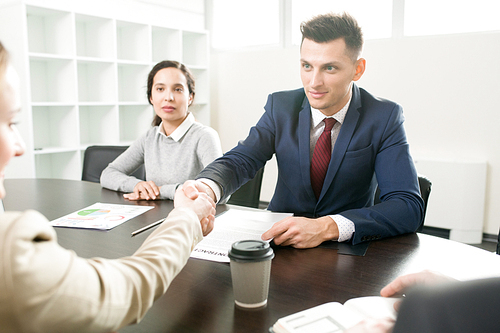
[346, 226]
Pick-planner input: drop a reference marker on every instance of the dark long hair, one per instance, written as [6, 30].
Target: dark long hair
[169, 64]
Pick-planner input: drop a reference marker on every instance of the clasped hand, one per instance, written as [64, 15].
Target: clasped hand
[396, 288]
[299, 232]
[201, 204]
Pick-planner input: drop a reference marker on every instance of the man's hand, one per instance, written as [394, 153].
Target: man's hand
[302, 232]
[192, 188]
[203, 206]
[401, 283]
[395, 288]
[144, 191]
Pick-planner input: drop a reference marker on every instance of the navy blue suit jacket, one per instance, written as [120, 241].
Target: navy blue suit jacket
[371, 147]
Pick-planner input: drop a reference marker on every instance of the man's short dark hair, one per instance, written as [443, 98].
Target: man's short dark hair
[327, 27]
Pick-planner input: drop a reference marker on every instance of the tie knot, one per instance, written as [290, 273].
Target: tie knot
[329, 122]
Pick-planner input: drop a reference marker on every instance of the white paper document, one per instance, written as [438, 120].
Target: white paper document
[100, 216]
[231, 226]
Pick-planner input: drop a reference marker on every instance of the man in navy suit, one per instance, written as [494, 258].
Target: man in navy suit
[368, 143]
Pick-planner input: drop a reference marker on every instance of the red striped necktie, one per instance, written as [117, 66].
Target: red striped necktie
[321, 157]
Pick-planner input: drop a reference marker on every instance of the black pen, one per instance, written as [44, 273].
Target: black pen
[149, 226]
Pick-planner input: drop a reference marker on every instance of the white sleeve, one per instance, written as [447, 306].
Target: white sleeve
[346, 227]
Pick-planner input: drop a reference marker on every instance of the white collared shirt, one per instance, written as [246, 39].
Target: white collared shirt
[179, 132]
[317, 125]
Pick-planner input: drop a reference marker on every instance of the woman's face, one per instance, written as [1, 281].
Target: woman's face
[11, 143]
[170, 96]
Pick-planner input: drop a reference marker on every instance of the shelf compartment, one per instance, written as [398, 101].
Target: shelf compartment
[132, 83]
[52, 80]
[98, 125]
[166, 44]
[55, 127]
[96, 81]
[63, 165]
[194, 49]
[49, 31]
[85, 70]
[202, 85]
[135, 120]
[133, 41]
[94, 37]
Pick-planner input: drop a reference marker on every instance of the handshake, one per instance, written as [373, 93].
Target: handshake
[199, 198]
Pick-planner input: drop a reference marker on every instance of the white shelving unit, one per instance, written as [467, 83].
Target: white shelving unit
[87, 80]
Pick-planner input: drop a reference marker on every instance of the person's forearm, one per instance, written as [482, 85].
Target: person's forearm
[331, 230]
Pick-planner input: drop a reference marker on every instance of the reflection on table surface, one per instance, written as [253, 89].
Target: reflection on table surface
[200, 299]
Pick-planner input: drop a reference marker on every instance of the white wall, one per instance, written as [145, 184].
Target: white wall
[449, 87]
[241, 82]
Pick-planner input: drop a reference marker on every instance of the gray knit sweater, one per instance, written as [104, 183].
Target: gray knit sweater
[168, 162]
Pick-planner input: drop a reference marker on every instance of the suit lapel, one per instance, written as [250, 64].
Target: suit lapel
[304, 131]
[345, 136]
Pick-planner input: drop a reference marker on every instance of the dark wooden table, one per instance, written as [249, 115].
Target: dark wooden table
[200, 299]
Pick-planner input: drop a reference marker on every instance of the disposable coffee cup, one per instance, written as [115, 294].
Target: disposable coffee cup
[250, 262]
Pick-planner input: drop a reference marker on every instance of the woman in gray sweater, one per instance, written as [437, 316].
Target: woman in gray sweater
[175, 149]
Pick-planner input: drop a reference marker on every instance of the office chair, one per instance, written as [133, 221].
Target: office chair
[425, 190]
[498, 244]
[97, 158]
[248, 194]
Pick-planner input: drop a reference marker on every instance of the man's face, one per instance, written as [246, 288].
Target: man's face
[327, 73]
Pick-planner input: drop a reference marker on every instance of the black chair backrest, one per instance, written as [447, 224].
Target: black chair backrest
[97, 158]
[248, 194]
[498, 244]
[425, 190]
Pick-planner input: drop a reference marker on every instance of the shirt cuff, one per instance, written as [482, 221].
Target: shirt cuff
[346, 227]
[214, 186]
